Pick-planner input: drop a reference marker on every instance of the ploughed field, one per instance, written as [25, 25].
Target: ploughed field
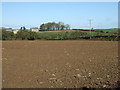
[59, 64]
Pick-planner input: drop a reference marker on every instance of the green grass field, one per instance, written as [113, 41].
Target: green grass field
[105, 31]
[108, 34]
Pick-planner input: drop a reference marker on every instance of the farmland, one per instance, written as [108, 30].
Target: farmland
[80, 34]
[59, 64]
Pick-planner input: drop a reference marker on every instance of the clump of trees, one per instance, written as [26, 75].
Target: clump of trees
[21, 35]
[54, 26]
[23, 28]
[64, 34]
[7, 35]
[26, 35]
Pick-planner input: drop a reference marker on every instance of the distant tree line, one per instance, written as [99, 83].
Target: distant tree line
[63, 35]
[54, 26]
[21, 35]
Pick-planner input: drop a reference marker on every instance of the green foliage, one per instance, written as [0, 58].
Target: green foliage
[26, 35]
[63, 35]
[22, 35]
[32, 35]
[60, 35]
[0, 34]
[78, 35]
[23, 28]
[7, 35]
[54, 26]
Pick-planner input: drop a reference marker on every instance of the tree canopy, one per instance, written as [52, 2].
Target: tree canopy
[54, 26]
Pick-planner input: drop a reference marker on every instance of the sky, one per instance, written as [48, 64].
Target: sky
[76, 14]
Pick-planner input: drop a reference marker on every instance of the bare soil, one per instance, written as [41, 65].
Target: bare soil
[59, 64]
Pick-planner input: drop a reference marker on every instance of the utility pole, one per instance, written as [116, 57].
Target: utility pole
[90, 20]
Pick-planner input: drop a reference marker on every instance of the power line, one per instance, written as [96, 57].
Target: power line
[90, 24]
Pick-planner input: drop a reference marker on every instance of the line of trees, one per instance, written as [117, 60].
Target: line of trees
[54, 26]
[63, 35]
[21, 35]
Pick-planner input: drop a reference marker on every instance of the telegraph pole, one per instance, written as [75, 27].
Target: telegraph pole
[90, 20]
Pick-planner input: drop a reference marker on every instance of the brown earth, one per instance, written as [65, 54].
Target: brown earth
[59, 64]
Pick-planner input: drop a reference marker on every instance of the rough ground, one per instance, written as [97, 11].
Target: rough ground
[59, 64]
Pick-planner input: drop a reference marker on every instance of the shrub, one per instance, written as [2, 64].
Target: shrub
[7, 35]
